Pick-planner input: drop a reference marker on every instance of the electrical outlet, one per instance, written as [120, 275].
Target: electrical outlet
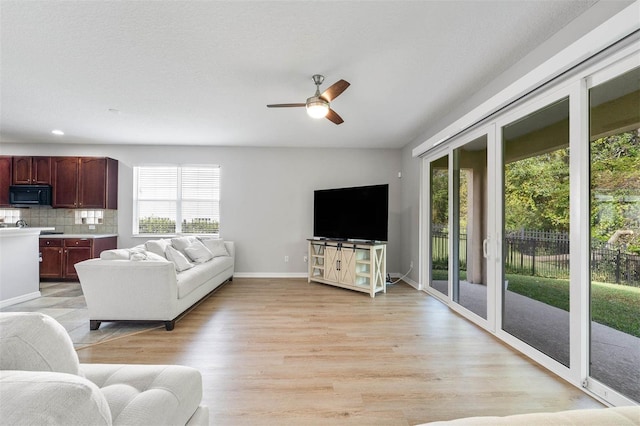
[286, 258]
[305, 258]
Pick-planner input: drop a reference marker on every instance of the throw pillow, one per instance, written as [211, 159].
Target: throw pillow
[158, 246]
[181, 263]
[198, 252]
[181, 243]
[216, 247]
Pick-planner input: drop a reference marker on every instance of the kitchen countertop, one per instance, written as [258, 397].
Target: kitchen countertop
[51, 236]
[14, 231]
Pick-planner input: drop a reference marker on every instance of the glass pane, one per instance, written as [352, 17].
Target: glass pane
[615, 233]
[440, 225]
[201, 183]
[156, 217]
[536, 230]
[470, 213]
[200, 217]
[157, 183]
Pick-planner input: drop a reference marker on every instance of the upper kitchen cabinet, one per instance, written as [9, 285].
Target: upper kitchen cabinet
[5, 180]
[31, 171]
[85, 182]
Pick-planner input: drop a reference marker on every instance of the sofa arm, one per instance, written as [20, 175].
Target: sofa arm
[129, 290]
[48, 398]
[231, 248]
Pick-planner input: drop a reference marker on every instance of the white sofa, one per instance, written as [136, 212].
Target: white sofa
[618, 416]
[152, 282]
[42, 383]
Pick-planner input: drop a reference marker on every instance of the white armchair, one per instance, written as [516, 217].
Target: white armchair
[42, 382]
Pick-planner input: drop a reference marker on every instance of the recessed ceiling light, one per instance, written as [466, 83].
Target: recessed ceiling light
[57, 132]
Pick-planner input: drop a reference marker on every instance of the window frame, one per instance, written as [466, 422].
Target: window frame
[178, 200]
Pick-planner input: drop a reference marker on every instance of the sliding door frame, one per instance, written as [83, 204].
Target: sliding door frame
[575, 85]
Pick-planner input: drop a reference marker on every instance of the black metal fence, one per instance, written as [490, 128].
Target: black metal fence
[546, 254]
[539, 253]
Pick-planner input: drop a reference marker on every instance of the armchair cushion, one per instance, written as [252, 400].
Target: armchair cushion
[35, 342]
[49, 398]
[148, 394]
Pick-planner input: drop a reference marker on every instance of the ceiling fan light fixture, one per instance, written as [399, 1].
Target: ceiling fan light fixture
[317, 107]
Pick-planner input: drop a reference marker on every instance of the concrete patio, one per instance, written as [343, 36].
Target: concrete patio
[615, 356]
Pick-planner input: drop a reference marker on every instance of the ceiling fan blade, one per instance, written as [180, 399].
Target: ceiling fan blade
[334, 117]
[286, 105]
[335, 90]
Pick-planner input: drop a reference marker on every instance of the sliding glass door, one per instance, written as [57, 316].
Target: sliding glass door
[439, 220]
[470, 226]
[614, 145]
[535, 246]
[533, 226]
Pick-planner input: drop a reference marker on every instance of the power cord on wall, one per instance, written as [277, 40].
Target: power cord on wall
[389, 282]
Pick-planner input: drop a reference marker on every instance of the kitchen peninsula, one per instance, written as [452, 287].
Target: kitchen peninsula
[19, 265]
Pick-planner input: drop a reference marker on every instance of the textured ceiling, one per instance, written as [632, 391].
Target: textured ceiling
[201, 72]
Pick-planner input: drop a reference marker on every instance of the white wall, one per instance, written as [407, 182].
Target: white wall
[267, 193]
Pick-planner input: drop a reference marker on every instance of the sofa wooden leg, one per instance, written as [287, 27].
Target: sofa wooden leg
[231, 278]
[169, 325]
[94, 325]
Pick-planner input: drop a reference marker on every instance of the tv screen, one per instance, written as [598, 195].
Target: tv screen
[358, 213]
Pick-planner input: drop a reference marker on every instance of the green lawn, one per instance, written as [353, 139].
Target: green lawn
[616, 306]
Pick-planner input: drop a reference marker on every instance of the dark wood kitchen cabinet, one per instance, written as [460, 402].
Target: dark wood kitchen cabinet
[5, 180]
[75, 250]
[51, 258]
[59, 255]
[85, 182]
[31, 171]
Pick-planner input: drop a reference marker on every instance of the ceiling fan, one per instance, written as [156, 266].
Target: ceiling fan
[318, 104]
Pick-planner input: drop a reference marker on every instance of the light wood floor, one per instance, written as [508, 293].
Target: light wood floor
[282, 351]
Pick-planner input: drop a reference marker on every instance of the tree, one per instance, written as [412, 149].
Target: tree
[537, 192]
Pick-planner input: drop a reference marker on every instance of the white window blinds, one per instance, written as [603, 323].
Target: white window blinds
[170, 200]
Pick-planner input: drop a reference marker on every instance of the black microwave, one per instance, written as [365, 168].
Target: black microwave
[30, 195]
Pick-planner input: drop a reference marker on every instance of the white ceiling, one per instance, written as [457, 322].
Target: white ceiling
[201, 72]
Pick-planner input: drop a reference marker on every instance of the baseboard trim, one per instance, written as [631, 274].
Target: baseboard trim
[411, 282]
[20, 299]
[270, 274]
[394, 276]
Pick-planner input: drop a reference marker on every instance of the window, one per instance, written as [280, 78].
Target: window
[176, 200]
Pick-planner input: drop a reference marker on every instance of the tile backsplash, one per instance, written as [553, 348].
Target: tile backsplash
[69, 221]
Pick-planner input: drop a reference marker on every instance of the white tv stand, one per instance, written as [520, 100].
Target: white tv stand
[359, 266]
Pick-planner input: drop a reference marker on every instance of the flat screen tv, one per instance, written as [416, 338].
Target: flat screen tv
[357, 213]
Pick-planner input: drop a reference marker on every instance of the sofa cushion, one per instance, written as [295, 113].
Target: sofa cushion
[618, 416]
[35, 342]
[215, 246]
[178, 259]
[49, 398]
[189, 280]
[158, 246]
[148, 394]
[198, 252]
